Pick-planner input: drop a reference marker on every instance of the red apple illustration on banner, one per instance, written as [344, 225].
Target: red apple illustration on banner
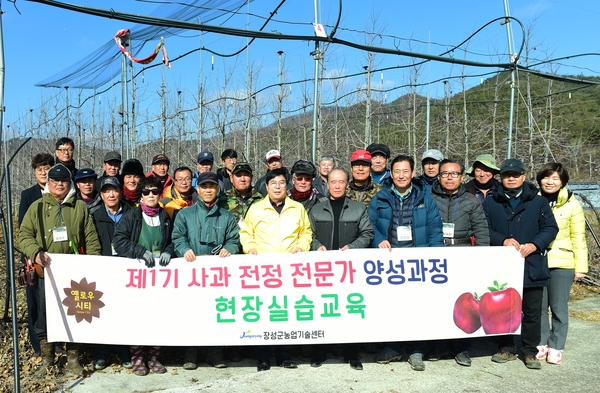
[466, 313]
[500, 310]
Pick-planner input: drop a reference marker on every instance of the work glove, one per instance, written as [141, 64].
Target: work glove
[165, 258]
[148, 258]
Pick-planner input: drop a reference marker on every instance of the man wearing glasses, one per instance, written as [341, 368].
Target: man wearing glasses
[55, 224]
[65, 147]
[275, 224]
[362, 187]
[180, 194]
[205, 229]
[303, 191]
[464, 225]
[518, 217]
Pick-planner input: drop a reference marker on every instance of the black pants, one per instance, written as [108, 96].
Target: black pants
[531, 323]
[40, 322]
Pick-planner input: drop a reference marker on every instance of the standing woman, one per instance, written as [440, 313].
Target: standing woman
[567, 259]
[145, 233]
[131, 174]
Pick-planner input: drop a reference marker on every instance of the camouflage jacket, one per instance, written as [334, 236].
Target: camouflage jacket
[236, 205]
[363, 194]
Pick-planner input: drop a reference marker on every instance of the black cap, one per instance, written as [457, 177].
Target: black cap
[85, 172]
[303, 166]
[228, 153]
[512, 165]
[241, 166]
[379, 148]
[132, 167]
[160, 157]
[112, 156]
[58, 171]
[110, 181]
[207, 177]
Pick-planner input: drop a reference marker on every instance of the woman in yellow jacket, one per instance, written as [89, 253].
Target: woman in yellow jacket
[567, 259]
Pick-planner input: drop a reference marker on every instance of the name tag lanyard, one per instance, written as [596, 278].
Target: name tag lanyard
[59, 233]
[448, 227]
[398, 211]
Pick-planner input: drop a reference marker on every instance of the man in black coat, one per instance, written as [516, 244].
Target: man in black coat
[518, 217]
[41, 164]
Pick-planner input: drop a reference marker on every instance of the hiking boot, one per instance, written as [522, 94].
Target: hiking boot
[387, 355]
[214, 357]
[463, 359]
[542, 351]
[190, 359]
[100, 364]
[554, 356]
[73, 368]
[416, 362]
[47, 353]
[503, 356]
[533, 363]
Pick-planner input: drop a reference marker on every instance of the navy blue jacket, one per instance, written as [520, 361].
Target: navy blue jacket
[426, 226]
[531, 221]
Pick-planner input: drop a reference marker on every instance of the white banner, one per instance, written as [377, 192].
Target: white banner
[367, 295]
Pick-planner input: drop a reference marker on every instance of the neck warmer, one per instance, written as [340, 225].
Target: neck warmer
[130, 196]
[149, 211]
[484, 186]
[552, 198]
[300, 196]
[513, 193]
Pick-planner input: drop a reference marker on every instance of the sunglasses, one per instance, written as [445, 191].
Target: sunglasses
[303, 178]
[146, 192]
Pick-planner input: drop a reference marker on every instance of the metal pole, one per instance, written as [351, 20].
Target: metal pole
[67, 109]
[123, 98]
[317, 56]
[368, 105]
[512, 59]
[280, 101]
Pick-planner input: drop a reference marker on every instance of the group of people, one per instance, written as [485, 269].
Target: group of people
[156, 216]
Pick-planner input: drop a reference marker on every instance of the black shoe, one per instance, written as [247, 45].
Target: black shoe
[316, 362]
[356, 364]
[263, 366]
[463, 359]
[287, 364]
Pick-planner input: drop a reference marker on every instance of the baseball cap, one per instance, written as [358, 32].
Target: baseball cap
[434, 154]
[241, 166]
[205, 156]
[486, 160]
[207, 177]
[305, 167]
[512, 165]
[110, 181]
[85, 172]
[379, 148]
[58, 171]
[112, 155]
[160, 157]
[360, 155]
[272, 154]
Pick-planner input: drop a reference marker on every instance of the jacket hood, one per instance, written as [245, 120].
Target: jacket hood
[70, 194]
[529, 192]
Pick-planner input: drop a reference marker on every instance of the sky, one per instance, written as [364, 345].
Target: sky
[40, 40]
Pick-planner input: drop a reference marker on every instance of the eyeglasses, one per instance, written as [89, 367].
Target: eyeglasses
[65, 151]
[42, 169]
[276, 184]
[303, 178]
[452, 175]
[146, 192]
[60, 181]
[335, 182]
[184, 180]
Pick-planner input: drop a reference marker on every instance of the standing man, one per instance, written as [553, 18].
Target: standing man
[41, 164]
[273, 160]
[464, 225]
[85, 180]
[160, 170]
[205, 229]
[380, 154]
[241, 196]
[405, 215]
[275, 224]
[44, 229]
[430, 163]
[302, 190]
[326, 164]
[518, 217]
[65, 148]
[228, 160]
[362, 187]
[206, 162]
[105, 219]
[181, 194]
[111, 165]
[339, 223]
[483, 171]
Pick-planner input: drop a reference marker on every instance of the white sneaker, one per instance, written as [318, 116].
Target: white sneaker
[554, 356]
[542, 351]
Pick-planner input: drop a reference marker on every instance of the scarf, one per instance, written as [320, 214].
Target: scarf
[150, 211]
[484, 186]
[300, 196]
[513, 193]
[130, 196]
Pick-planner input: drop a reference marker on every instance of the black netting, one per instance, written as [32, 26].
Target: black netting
[102, 65]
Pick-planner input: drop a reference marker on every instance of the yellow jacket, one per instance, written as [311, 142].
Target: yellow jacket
[569, 249]
[267, 231]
